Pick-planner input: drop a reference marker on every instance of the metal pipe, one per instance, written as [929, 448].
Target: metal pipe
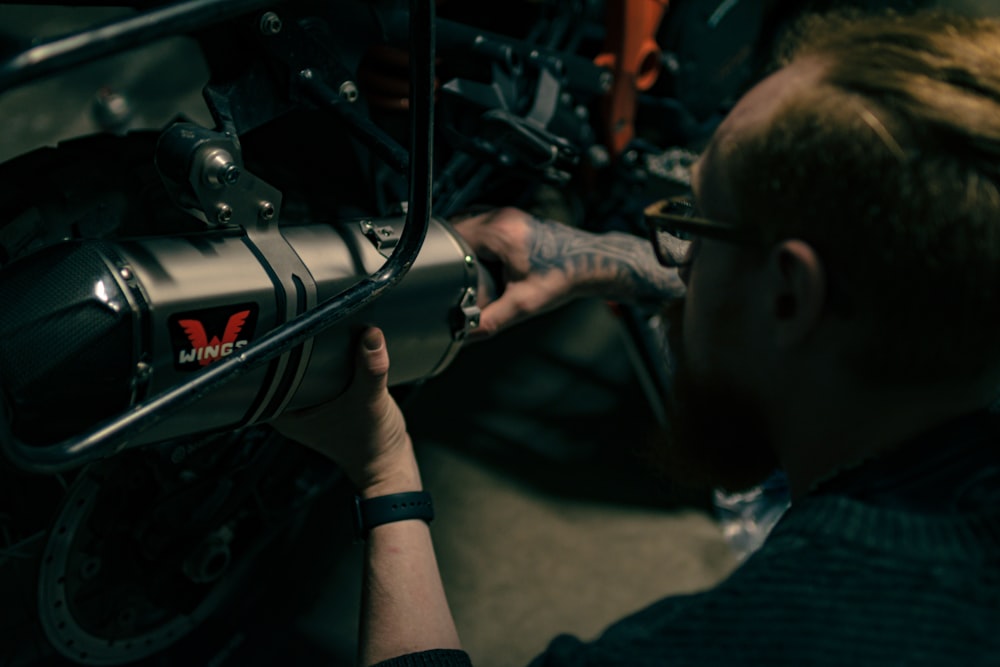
[113, 435]
[119, 35]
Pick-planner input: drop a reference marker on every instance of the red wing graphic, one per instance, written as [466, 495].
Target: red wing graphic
[205, 344]
[233, 328]
[195, 331]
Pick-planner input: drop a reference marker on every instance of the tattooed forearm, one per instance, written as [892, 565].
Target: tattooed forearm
[614, 265]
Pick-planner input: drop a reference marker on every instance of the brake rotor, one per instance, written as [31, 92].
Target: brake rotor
[94, 599]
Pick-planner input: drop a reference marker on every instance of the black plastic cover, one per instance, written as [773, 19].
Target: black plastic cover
[67, 350]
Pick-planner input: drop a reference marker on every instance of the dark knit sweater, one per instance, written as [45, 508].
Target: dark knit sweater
[896, 562]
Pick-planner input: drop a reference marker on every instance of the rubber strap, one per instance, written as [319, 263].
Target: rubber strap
[372, 512]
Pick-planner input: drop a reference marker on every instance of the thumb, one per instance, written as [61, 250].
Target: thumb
[372, 365]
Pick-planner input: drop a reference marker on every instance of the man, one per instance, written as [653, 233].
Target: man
[841, 318]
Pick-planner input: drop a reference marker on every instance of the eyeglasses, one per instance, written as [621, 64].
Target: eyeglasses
[674, 226]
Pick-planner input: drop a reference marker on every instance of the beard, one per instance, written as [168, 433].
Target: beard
[716, 434]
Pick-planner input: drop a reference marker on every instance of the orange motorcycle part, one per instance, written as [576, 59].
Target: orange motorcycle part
[633, 55]
[384, 77]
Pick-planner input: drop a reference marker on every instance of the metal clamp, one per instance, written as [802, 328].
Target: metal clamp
[468, 314]
[384, 238]
[203, 171]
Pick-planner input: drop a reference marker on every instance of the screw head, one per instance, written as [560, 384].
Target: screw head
[224, 214]
[266, 210]
[270, 23]
[470, 260]
[349, 91]
[125, 273]
[111, 110]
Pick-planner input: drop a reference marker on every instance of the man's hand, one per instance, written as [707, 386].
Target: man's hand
[362, 430]
[510, 238]
[545, 264]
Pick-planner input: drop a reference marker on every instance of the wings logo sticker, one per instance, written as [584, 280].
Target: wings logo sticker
[195, 335]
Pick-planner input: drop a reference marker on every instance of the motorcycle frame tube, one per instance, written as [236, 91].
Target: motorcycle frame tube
[113, 436]
[57, 55]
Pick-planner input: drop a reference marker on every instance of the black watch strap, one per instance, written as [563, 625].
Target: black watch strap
[371, 512]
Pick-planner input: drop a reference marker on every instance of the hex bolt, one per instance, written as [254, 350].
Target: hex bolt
[219, 169]
[230, 174]
[349, 91]
[224, 214]
[266, 210]
[270, 23]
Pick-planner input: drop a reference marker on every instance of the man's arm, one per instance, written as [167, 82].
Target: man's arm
[403, 604]
[545, 264]
[404, 609]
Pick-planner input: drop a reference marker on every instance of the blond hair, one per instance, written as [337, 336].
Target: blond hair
[890, 169]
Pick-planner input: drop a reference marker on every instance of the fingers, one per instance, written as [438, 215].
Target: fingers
[361, 424]
[496, 234]
[518, 302]
[497, 316]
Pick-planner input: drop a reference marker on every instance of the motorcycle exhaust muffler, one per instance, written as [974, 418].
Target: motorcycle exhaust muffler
[91, 328]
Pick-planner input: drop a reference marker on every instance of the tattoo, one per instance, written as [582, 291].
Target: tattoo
[614, 265]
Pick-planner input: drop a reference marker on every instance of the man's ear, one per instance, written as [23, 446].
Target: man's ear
[797, 289]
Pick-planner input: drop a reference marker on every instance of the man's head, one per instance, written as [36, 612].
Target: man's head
[889, 167]
[869, 167]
